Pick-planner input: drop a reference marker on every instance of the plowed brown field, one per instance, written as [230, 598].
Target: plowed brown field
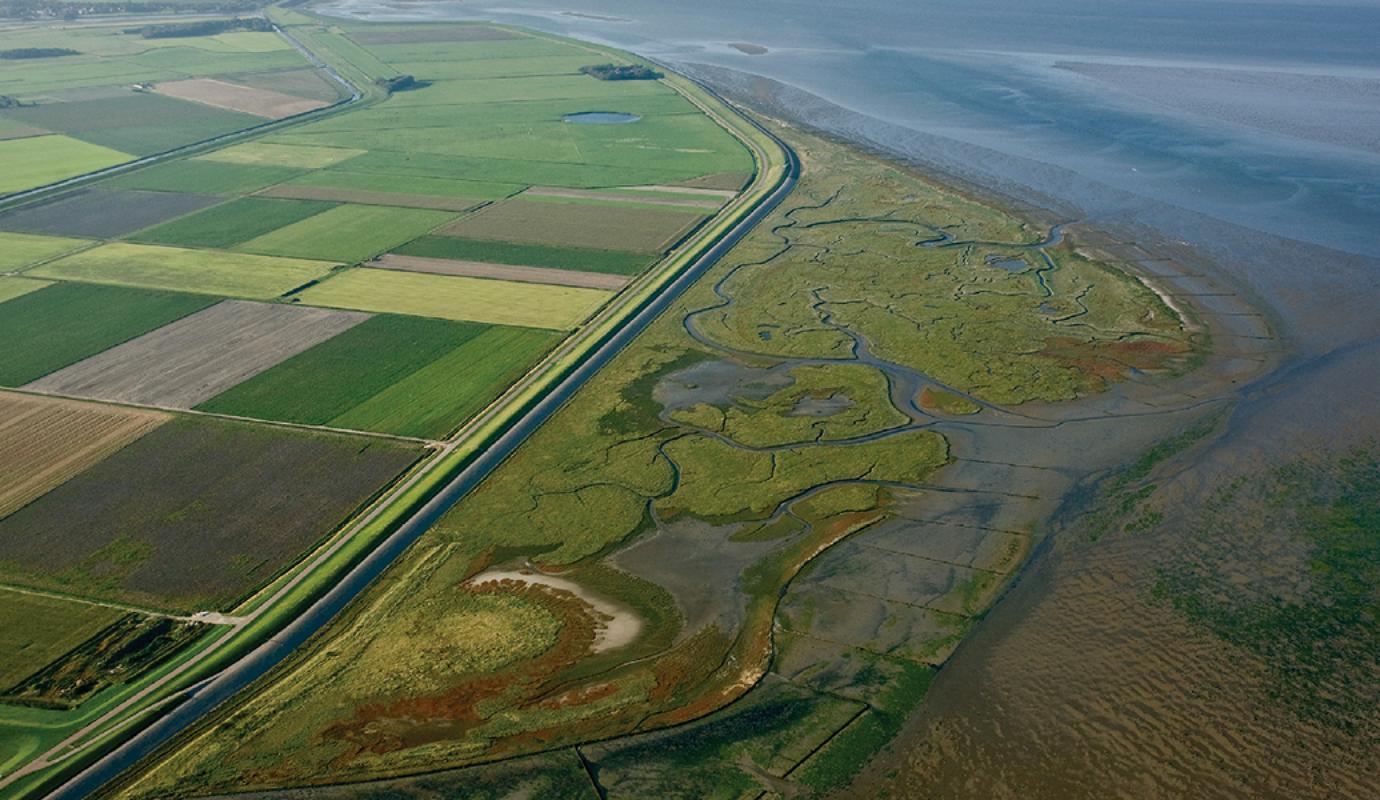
[44, 441]
[219, 94]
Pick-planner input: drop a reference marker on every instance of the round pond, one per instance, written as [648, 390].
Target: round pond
[601, 118]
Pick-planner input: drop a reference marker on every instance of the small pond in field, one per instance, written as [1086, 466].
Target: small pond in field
[601, 118]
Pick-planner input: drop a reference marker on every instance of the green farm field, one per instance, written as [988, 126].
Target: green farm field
[35, 629]
[348, 180]
[64, 323]
[432, 401]
[12, 287]
[456, 298]
[40, 160]
[391, 374]
[532, 255]
[346, 233]
[137, 123]
[210, 177]
[19, 250]
[269, 154]
[96, 105]
[111, 58]
[231, 223]
[581, 225]
[185, 270]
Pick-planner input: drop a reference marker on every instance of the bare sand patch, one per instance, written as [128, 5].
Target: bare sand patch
[46, 440]
[231, 96]
[618, 625]
[504, 272]
[185, 363]
[368, 198]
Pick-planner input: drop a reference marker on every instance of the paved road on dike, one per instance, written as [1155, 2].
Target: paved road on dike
[204, 697]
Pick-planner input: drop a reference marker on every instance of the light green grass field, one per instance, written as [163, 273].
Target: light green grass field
[408, 184]
[206, 177]
[411, 376]
[328, 380]
[12, 287]
[40, 160]
[109, 57]
[518, 50]
[492, 67]
[435, 399]
[183, 270]
[348, 233]
[647, 229]
[447, 297]
[530, 255]
[268, 154]
[141, 123]
[232, 223]
[19, 250]
[35, 629]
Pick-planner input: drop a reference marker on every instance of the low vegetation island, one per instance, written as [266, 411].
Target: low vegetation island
[622, 72]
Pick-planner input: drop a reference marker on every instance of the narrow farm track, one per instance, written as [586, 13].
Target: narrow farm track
[514, 416]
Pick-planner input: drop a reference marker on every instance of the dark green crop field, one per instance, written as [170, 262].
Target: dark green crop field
[59, 325]
[141, 124]
[530, 255]
[196, 515]
[409, 376]
[232, 223]
[434, 400]
[335, 376]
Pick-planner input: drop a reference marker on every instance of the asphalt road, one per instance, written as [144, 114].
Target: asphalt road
[211, 693]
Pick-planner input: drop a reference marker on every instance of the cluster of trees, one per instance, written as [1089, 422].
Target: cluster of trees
[72, 9]
[622, 72]
[209, 27]
[37, 52]
[400, 83]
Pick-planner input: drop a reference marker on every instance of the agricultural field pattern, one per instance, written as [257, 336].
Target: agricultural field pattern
[224, 377]
[422, 410]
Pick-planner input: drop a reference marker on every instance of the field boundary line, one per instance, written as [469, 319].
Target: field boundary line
[148, 612]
